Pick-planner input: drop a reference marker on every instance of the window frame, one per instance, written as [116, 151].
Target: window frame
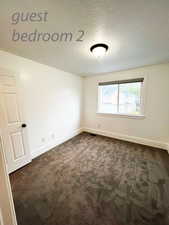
[141, 115]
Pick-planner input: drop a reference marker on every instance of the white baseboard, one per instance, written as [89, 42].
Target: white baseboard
[167, 147]
[39, 151]
[162, 145]
[138, 140]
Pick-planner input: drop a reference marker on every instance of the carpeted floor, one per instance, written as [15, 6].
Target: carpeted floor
[94, 180]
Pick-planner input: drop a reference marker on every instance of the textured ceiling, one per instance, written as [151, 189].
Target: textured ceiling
[137, 32]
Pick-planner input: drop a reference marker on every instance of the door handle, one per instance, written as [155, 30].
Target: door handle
[23, 125]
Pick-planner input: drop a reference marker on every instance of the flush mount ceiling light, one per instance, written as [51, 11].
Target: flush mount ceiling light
[99, 50]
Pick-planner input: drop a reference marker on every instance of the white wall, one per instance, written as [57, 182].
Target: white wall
[52, 101]
[155, 125]
[44, 90]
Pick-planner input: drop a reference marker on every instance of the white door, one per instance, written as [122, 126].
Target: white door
[13, 127]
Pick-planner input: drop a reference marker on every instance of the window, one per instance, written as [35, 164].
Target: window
[121, 97]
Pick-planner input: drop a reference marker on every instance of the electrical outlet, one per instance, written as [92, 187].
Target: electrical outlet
[43, 139]
[53, 136]
[98, 126]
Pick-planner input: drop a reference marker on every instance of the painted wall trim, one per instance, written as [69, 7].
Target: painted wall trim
[39, 151]
[167, 147]
[162, 145]
[8, 185]
[1, 218]
[138, 140]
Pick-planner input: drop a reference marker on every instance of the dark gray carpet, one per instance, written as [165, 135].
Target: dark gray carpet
[94, 180]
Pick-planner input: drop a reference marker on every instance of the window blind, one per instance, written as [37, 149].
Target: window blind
[122, 81]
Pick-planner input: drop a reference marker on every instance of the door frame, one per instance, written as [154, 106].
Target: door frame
[10, 209]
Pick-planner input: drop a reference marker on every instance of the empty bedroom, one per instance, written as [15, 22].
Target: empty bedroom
[84, 112]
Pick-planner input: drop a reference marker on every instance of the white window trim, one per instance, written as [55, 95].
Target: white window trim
[142, 94]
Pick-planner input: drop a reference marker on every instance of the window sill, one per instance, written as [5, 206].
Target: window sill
[130, 116]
